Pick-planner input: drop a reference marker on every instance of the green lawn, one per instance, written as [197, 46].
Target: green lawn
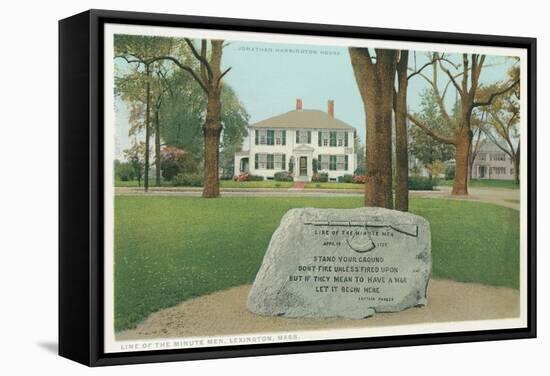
[223, 184]
[169, 249]
[255, 184]
[333, 185]
[484, 183]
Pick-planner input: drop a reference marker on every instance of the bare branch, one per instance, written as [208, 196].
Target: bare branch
[125, 57]
[430, 132]
[185, 68]
[199, 57]
[223, 74]
[495, 94]
[451, 77]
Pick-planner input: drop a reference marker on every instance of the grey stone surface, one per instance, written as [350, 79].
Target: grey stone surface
[349, 263]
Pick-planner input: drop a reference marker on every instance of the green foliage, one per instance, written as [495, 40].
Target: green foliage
[345, 179]
[234, 121]
[124, 171]
[188, 180]
[183, 248]
[254, 178]
[485, 183]
[175, 161]
[421, 183]
[175, 94]
[315, 165]
[320, 177]
[450, 172]
[283, 176]
[136, 156]
[422, 146]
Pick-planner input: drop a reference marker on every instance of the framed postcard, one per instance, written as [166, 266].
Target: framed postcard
[240, 187]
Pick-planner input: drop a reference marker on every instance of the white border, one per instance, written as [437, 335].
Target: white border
[111, 345]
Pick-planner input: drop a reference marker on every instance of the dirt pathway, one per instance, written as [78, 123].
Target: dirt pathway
[224, 313]
[500, 196]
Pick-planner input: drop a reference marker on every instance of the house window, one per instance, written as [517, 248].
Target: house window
[278, 138]
[340, 138]
[303, 137]
[323, 138]
[341, 162]
[279, 161]
[498, 170]
[270, 137]
[263, 137]
[260, 161]
[332, 138]
[332, 166]
[481, 156]
[511, 171]
[323, 161]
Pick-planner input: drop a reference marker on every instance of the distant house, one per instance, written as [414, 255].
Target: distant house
[295, 141]
[492, 163]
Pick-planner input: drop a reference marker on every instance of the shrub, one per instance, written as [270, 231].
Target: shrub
[176, 161]
[187, 180]
[420, 183]
[283, 176]
[359, 179]
[361, 170]
[255, 178]
[345, 179]
[450, 172]
[321, 177]
[124, 171]
[245, 176]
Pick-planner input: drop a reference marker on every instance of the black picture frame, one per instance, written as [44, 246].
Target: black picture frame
[81, 195]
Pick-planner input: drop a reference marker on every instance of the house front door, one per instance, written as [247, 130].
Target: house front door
[482, 172]
[303, 166]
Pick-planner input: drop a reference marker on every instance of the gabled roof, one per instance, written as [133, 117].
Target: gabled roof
[300, 119]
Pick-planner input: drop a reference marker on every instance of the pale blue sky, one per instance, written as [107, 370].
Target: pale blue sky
[268, 78]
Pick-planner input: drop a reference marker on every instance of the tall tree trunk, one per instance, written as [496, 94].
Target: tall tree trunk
[147, 130]
[212, 128]
[157, 147]
[401, 143]
[516, 167]
[376, 85]
[463, 145]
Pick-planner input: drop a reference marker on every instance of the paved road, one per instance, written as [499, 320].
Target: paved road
[499, 196]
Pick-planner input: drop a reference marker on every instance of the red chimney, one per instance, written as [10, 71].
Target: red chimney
[330, 108]
[299, 104]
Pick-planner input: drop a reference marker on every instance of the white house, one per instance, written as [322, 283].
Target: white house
[293, 141]
[492, 163]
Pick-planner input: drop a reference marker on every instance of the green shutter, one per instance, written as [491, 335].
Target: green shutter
[257, 136]
[332, 138]
[332, 166]
[270, 161]
[270, 137]
[309, 137]
[256, 160]
[297, 137]
[284, 161]
[284, 137]
[346, 165]
[346, 140]
[319, 160]
[320, 138]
